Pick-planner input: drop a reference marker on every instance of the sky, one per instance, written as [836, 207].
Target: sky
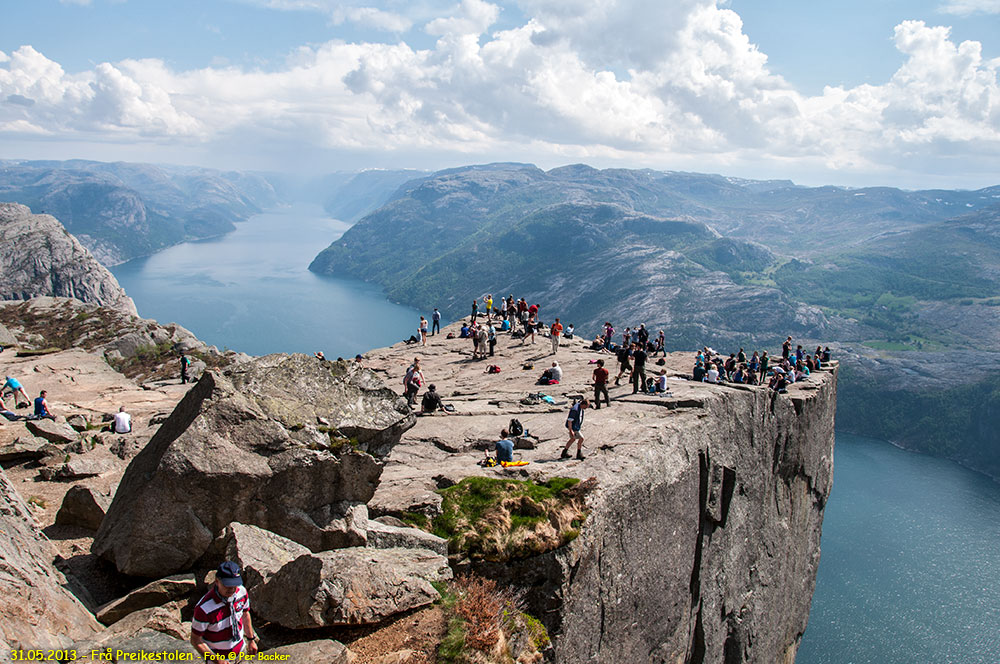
[853, 92]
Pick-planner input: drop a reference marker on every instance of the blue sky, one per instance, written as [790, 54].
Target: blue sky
[850, 92]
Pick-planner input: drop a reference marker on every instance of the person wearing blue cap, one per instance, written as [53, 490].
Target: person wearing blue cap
[221, 623]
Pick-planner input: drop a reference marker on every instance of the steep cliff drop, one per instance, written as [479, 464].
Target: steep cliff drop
[702, 539]
[39, 257]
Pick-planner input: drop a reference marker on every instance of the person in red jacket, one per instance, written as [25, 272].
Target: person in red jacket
[601, 376]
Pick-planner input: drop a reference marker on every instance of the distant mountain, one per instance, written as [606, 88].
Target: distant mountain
[363, 192]
[120, 210]
[899, 280]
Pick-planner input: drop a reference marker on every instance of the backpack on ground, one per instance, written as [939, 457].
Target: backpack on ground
[515, 428]
[493, 369]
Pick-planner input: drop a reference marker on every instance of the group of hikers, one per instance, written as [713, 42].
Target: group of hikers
[520, 319]
[636, 348]
[793, 367]
[15, 391]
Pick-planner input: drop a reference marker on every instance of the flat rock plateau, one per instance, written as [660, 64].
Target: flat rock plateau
[700, 541]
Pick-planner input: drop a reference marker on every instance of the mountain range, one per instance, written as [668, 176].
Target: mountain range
[120, 211]
[902, 283]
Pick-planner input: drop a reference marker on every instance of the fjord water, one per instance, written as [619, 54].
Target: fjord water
[910, 543]
[910, 554]
[250, 290]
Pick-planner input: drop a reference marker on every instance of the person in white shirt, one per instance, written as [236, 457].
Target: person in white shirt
[123, 421]
[712, 376]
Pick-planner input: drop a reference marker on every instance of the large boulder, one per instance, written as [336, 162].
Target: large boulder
[260, 553]
[37, 611]
[222, 456]
[151, 630]
[83, 506]
[299, 389]
[157, 593]
[23, 448]
[387, 536]
[78, 466]
[356, 586]
[54, 432]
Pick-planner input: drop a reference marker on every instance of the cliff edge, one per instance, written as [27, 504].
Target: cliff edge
[702, 539]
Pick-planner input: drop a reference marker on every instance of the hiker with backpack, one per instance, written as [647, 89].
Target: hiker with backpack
[574, 422]
[624, 361]
[412, 381]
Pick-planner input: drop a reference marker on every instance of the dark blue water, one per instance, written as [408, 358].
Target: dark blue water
[250, 290]
[910, 570]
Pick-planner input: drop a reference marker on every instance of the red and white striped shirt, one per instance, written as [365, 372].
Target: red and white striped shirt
[219, 620]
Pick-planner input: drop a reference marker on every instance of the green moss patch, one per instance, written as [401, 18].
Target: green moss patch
[501, 519]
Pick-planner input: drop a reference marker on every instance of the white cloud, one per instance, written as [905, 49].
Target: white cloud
[572, 81]
[968, 7]
[372, 18]
[469, 17]
[82, 3]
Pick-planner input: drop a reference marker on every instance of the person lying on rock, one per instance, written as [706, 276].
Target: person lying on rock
[221, 624]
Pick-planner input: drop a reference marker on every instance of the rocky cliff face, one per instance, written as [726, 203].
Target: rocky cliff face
[36, 609]
[38, 257]
[705, 548]
[702, 541]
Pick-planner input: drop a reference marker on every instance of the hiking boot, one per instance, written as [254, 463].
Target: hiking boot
[579, 456]
[565, 454]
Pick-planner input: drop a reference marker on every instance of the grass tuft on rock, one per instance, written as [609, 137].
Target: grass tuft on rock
[486, 624]
[505, 519]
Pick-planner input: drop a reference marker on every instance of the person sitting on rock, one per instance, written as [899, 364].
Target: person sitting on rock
[464, 334]
[431, 402]
[504, 448]
[42, 407]
[698, 374]
[552, 375]
[14, 385]
[122, 422]
[221, 623]
[660, 382]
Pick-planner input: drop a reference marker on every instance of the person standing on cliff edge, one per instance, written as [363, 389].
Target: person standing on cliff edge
[185, 363]
[574, 422]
